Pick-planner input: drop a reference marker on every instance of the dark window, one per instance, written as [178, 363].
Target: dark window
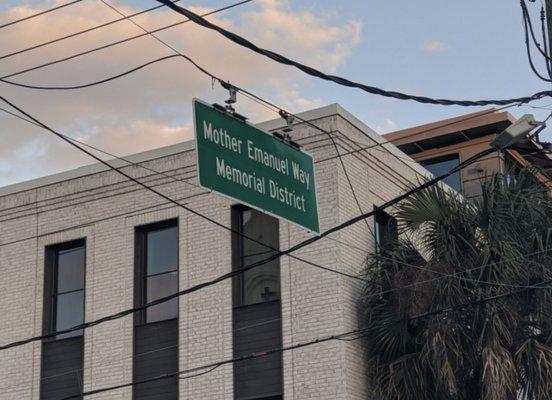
[441, 165]
[159, 270]
[386, 230]
[257, 308]
[156, 328]
[262, 283]
[64, 288]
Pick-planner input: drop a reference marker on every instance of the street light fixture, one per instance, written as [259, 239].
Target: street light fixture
[516, 132]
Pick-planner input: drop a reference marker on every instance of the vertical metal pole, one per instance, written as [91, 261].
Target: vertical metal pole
[549, 24]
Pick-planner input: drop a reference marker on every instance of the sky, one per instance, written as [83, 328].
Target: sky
[466, 50]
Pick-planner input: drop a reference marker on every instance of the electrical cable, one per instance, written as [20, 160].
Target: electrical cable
[377, 146]
[545, 42]
[262, 102]
[140, 27]
[231, 274]
[340, 80]
[317, 127]
[132, 70]
[269, 251]
[59, 39]
[68, 138]
[266, 103]
[60, 60]
[139, 165]
[278, 319]
[539, 107]
[102, 151]
[527, 18]
[350, 335]
[528, 50]
[245, 92]
[269, 105]
[255, 98]
[39, 14]
[86, 85]
[212, 76]
[153, 303]
[177, 53]
[442, 275]
[389, 94]
[133, 356]
[457, 274]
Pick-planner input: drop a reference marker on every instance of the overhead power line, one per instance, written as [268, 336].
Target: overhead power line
[95, 148]
[526, 24]
[267, 103]
[527, 18]
[75, 34]
[243, 91]
[545, 41]
[441, 275]
[354, 334]
[234, 273]
[271, 249]
[268, 251]
[231, 274]
[138, 355]
[261, 101]
[39, 14]
[246, 93]
[71, 57]
[330, 136]
[340, 80]
[456, 275]
[90, 84]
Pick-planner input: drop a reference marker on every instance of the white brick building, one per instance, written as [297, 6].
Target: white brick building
[104, 209]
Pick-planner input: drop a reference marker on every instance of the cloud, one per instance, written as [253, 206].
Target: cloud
[391, 125]
[434, 47]
[152, 107]
[297, 34]
[387, 126]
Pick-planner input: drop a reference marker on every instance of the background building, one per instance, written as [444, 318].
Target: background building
[87, 243]
[441, 145]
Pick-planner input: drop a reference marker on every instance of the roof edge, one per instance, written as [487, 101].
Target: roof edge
[277, 123]
[96, 168]
[450, 125]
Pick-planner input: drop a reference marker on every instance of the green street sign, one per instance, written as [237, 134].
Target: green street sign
[240, 161]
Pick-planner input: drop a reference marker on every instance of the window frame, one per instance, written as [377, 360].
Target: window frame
[441, 159]
[379, 243]
[140, 267]
[237, 243]
[50, 294]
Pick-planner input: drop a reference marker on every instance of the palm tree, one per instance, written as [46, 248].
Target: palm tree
[454, 251]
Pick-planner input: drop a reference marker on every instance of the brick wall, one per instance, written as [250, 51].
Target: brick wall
[105, 209]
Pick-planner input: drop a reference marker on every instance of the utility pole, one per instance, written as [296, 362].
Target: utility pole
[549, 25]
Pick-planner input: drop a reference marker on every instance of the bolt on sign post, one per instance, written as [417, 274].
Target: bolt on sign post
[251, 166]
